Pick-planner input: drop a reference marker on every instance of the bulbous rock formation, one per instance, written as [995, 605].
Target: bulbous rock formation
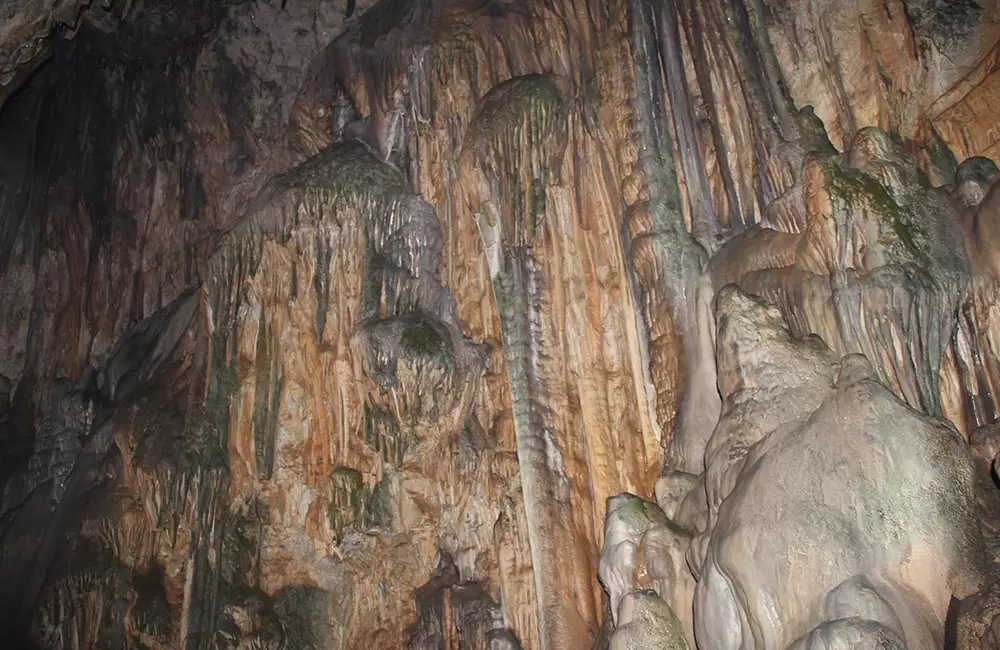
[887, 494]
[643, 551]
[647, 623]
[870, 245]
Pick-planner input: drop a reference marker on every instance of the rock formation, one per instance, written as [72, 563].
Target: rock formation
[499, 324]
[840, 465]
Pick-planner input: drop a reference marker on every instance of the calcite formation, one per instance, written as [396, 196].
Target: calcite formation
[647, 622]
[646, 551]
[846, 467]
[499, 324]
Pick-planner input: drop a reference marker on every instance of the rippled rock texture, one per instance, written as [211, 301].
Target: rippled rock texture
[499, 324]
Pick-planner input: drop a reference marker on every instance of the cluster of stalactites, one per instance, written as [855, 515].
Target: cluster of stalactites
[409, 336]
[512, 153]
[970, 378]
[869, 258]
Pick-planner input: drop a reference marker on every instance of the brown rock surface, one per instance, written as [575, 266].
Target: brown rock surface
[337, 324]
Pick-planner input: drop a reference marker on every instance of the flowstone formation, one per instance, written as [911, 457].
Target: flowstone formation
[499, 324]
[896, 519]
[829, 513]
[644, 551]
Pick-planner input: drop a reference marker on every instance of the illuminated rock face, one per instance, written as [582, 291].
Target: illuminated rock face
[887, 494]
[383, 325]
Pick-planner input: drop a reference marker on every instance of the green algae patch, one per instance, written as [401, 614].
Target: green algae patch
[421, 339]
[518, 139]
[379, 512]
[383, 435]
[356, 505]
[267, 398]
[347, 506]
[853, 190]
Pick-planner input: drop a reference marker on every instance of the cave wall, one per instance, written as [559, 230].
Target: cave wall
[337, 325]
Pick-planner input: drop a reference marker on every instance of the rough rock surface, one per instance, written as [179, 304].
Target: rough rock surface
[342, 324]
[647, 623]
[25, 32]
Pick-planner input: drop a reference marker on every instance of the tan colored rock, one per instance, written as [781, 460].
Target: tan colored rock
[644, 550]
[896, 543]
[447, 302]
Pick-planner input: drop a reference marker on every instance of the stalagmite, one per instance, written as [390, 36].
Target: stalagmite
[882, 513]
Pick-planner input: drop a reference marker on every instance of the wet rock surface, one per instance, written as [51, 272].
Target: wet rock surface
[499, 324]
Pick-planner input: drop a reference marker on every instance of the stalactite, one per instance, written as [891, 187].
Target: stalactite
[516, 140]
[752, 28]
[704, 224]
[661, 247]
[695, 28]
[367, 322]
